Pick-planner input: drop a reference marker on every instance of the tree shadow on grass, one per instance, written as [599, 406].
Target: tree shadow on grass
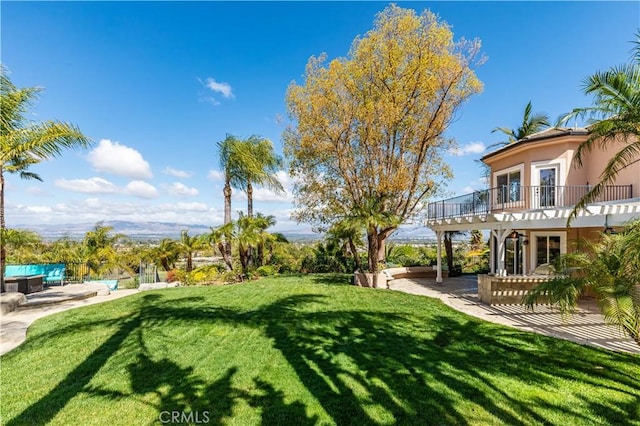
[362, 367]
[332, 279]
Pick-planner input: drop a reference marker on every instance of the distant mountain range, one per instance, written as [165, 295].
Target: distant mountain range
[154, 231]
[139, 230]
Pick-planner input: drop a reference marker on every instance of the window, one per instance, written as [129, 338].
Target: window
[547, 246]
[508, 186]
[548, 249]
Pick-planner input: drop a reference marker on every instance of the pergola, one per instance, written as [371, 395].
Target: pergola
[503, 224]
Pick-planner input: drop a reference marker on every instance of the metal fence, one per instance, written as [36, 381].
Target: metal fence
[519, 198]
[148, 273]
[77, 272]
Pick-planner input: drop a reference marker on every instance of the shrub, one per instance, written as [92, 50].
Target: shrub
[267, 270]
[202, 275]
[171, 276]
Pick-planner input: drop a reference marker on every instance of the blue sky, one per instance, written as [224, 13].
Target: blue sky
[156, 84]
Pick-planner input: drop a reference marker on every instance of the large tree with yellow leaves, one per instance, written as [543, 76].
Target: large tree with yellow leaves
[368, 131]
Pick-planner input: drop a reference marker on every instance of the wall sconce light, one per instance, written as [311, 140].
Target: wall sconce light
[514, 235]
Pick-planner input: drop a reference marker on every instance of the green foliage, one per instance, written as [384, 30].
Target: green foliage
[207, 274]
[327, 257]
[409, 255]
[608, 267]
[105, 254]
[267, 270]
[531, 123]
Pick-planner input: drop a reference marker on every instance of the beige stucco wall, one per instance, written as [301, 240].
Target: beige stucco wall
[562, 149]
[596, 161]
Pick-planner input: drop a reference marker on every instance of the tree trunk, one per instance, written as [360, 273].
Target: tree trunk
[189, 262]
[243, 258]
[354, 252]
[227, 217]
[382, 244]
[260, 254]
[249, 199]
[227, 260]
[3, 254]
[448, 249]
[250, 215]
[372, 255]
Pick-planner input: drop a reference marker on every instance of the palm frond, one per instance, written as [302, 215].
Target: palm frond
[562, 292]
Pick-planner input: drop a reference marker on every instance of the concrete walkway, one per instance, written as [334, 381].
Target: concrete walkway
[14, 325]
[586, 327]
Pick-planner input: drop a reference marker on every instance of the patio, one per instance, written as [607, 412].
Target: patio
[586, 327]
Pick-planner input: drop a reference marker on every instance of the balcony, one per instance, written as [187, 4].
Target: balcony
[516, 198]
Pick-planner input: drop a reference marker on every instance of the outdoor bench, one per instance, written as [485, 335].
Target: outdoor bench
[53, 273]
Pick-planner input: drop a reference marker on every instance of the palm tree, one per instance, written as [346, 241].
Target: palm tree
[23, 144]
[24, 244]
[166, 254]
[189, 245]
[233, 158]
[609, 268]
[100, 251]
[260, 168]
[351, 233]
[531, 123]
[63, 250]
[251, 233]
[614, 118]
[245, 163]
[217, 238]
[378, 223]
[267, 239]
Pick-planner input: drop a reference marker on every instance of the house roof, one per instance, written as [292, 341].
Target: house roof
[551, 132]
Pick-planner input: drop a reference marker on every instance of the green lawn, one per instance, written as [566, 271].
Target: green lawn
[305, 350]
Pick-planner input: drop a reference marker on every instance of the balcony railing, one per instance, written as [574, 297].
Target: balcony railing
[520, 198]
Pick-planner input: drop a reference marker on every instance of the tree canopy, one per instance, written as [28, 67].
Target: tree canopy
[369, 129]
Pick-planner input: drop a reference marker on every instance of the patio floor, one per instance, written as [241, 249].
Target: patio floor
[587, 326]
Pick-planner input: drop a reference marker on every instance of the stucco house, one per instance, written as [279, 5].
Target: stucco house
[534, 184]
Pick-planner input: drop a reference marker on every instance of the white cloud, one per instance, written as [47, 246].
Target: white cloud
[470, 148]
[223, 88]
[176, 173]
[178, 189]
[121, 160]
[475, 185]
[215, 175]
[38, 209]
[38, 192]
[94, 185]
[195, 206]
[268, 195]
[285, 179]
[141, 189]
